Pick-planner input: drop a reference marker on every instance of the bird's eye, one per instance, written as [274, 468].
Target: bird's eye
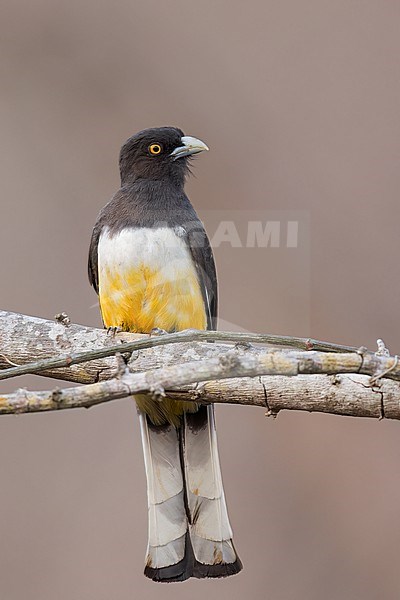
[155, 149]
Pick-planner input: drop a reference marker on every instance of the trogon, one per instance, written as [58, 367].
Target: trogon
[151, 263]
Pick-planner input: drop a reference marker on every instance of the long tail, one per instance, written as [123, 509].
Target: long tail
[189, 530]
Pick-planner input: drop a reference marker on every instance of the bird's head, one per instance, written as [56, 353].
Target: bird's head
[157, 154]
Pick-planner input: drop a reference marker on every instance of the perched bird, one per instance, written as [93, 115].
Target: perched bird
[151, 263]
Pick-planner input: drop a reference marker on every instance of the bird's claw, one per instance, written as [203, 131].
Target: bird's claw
[112, 331]
[157, 331]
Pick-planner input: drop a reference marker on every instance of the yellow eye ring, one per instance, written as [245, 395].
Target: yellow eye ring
[155, 149]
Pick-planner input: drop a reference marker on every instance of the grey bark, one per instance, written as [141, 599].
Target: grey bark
[345, 383]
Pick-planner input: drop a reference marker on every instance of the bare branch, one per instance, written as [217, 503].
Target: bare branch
[211, 381]
[218, 372]
[34, 330]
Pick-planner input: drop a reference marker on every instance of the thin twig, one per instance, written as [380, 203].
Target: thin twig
[8, 361]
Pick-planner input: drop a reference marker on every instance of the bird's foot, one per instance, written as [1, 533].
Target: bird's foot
[157, 331]
[112, 331]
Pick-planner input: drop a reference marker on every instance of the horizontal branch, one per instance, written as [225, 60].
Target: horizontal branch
[41, 337]
[23, 338]
[212, 381]
[198, 371]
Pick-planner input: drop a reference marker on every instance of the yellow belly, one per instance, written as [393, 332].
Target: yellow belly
[141, 299]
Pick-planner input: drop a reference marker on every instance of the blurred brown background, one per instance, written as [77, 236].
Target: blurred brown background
[299, 103]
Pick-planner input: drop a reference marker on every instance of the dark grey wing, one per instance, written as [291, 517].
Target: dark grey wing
[93, 271]
[203, 259]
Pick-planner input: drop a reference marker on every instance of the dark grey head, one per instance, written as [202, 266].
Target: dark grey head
[157, 154]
